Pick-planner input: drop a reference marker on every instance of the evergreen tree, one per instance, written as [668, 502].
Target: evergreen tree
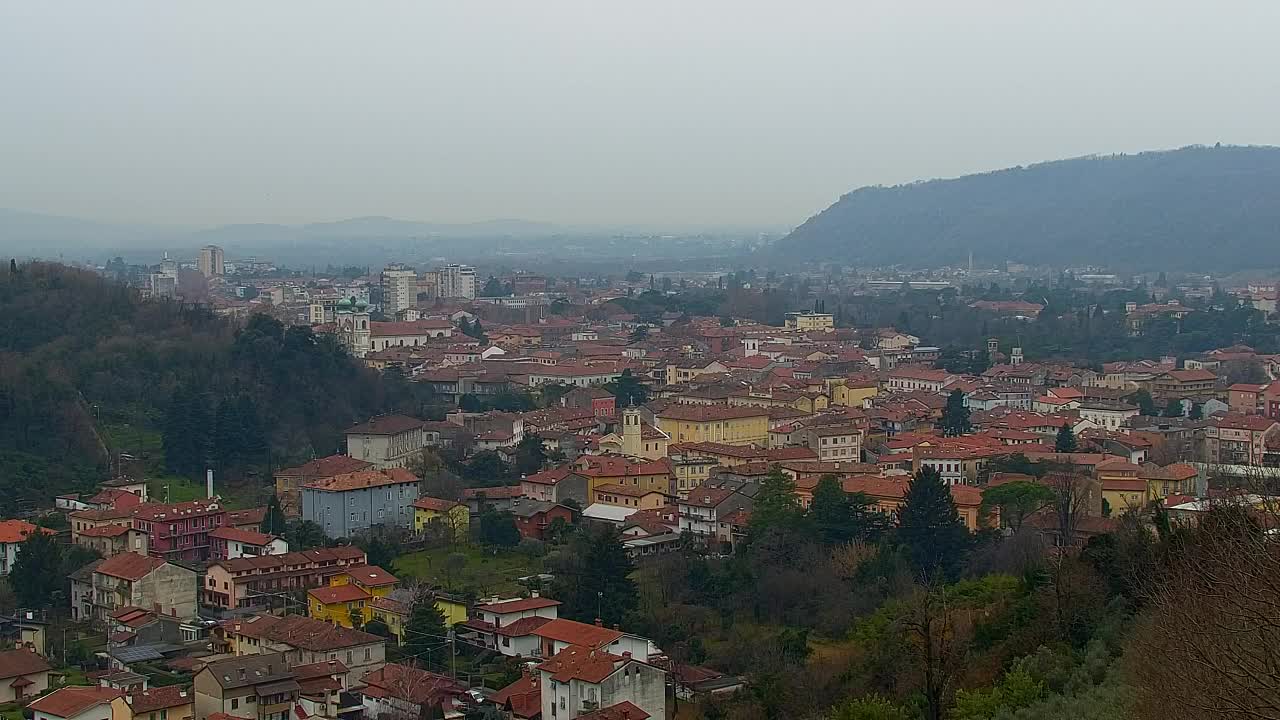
[838, 518]
[226, 435]
[477, 331]
[498, 529]
[1146, 404]
[628, 391]
[1066, 442]
[775, 506]
[37, 571]
[273, 522]
[930, 529]
[955, 417]
[1196, 412]
[531, 454]
[1173, 409]
[426, 629]
[593, 579]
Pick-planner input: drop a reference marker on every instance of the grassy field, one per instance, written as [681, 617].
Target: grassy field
[148, 449]
[483, 572]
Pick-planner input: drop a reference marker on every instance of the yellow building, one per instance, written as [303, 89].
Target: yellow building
[348, 595]
[394, 611]
[848, 393]
[810, 321]
[453, 516]
[1122, 496]
[628, 496]
[711, 423]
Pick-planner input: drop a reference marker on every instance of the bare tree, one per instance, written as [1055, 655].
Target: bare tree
[938, 636]
[1075, 495]
[1209, 643]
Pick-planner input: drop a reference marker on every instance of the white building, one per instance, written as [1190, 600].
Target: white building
[399, 289]
[457, 281]
[211, 261]
[580, 680]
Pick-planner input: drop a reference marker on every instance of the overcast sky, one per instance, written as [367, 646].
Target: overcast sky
[599, 111]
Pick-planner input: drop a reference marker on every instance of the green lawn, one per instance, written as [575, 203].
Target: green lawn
[484, 572]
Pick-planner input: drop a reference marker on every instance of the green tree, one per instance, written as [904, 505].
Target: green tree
[273, 522]
[426, 631]
[1066, 441]
[628, 391]
[775, 506]
[1196, 412]
[1016, 500]
[955, 416]
[640, 334]
[593, 578]
[37, 571]
[498, 529]
[930, 529]
[493, 288]
[379, 548]
[305, 535]
[1146, 404]
[1173, 409]
[531, 454]
[838, 518]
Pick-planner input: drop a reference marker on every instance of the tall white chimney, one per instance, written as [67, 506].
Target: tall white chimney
[208, 482]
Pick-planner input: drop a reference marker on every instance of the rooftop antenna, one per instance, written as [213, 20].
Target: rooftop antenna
[970, 263]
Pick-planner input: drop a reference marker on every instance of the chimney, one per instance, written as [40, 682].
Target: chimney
[208, 482]
[533, 593]
[626, 655]
[599, 622]
[615, 626]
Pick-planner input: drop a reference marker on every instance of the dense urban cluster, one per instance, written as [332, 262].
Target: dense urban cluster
[695, 495]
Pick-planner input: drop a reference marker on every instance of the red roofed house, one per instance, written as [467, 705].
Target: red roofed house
[1247, 398]
[12, 534]
[1232, 439]
[23, 673]
[141, 581]
[257, 581]
[508, 626]
[562, 633]
[346, 504]
[395, 690]
[583, 682]
[170, 702]
[889, 493]
[180, 531]
[1195, 386]
[78, 702]
[521, 699]
[289, 480]
[229, 543]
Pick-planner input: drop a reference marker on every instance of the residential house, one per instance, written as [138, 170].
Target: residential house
[344, 505]
[1196, 386]
[110, 539]
[522, 699]
[81, 702]
[591, 683]
[290, 480]
[1232, 439]
[395, 690]
[23, 674]
[557, 484]
[254, 687]
[261, 581]
[12, 534]
[533, 517]
[303, 640]
[1247, 398]
[704, 510]
[628, 496]
[1107, 415]
[394, 609]
[346, 599]
[386, 441]
[889, 493]
[169, 702]
[180, 531]
[562, 633]
[142, 581]
[600, 401]
[909, 379]
[507, 626]
[452, 517]
[833, 442]
[228, 543]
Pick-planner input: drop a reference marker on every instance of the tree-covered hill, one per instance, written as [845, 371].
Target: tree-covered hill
[82, 358]
[1210, 208]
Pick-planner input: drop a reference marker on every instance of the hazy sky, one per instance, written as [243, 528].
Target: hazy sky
[599, 111]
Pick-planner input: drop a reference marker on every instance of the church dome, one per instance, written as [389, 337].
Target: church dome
[345, 303]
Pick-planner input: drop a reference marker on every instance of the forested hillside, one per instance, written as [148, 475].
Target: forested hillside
[89, 370]
[1195, 208]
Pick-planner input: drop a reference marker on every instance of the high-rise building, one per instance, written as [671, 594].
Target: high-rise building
[399, 289]
[457, 281]
[211, 261]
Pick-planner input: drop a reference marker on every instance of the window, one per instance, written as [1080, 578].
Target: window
[235, 703]
[349, 658]
[367, 652]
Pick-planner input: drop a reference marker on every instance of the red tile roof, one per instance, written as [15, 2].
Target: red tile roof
[434, 504]
[326, 467]
[522, 627]
[16, 531]
[20, 662]
[522, 697]
[129, 566]
[248, 537]
[371, 576]
[71, 701]
[338, 594]
[363, 480]
[157, 698]
[104, 531]
[576, 633]
[578, 662]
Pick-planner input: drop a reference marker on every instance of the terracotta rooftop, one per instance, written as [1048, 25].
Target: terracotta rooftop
[70, 701]
[624, 710]
[338, 594]
[521, 605]
[326, 466]
[578, 662]
[362, 480]
[157, 698]
[434, 504]
[576, 633]
[371, 576]
[20, 662]
[129, 566]
[247, 537]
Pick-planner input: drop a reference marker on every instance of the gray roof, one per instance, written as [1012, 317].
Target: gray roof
[247, 670]
[529, 508]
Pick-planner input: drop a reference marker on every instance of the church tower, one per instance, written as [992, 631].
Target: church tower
[631, 433]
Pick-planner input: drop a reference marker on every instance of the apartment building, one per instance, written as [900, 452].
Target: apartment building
[260, 581]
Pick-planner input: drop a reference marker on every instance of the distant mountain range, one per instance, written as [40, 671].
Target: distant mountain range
[1210, 208]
